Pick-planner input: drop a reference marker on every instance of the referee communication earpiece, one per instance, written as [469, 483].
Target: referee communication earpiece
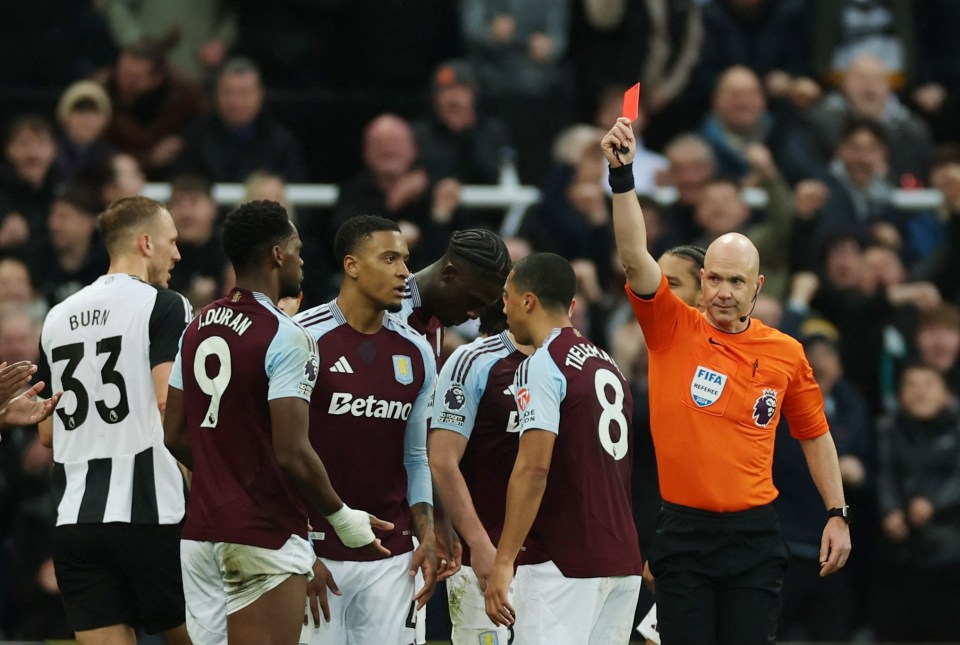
[755, 294]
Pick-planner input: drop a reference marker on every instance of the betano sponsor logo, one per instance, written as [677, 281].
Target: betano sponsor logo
[345, 403]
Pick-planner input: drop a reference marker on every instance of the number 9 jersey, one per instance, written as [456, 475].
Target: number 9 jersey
[572, 388]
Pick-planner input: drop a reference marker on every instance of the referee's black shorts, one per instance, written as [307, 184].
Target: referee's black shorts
[118, 573]
[719, 576]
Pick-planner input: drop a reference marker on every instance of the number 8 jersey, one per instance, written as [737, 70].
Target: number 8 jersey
[572, 388]
[99, 346]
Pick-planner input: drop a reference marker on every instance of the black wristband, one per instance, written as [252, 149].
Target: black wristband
[621, 178]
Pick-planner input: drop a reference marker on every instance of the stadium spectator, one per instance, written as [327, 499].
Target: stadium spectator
[866, 93]
[199, 275]
[919, 495]
[207, 30]
[691, 166]
[84, 112]
[28, 179]
[937, 343]
[152, 104]
[72, 255]
[240, 136]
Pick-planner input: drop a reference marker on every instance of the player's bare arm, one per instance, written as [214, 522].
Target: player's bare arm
[446, 451]
[835, 545]
[642, 271]
[161, 377]
[289, 419]
[524, 494]
[425, 557]
[175, 434]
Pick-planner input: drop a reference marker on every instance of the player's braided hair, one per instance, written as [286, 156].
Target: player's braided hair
[253, 228]
[482, 249]
[695, 254]
[492, 319]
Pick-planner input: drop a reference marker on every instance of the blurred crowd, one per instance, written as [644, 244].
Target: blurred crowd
[832, 107]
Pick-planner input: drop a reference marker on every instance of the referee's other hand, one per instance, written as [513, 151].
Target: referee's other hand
[834, 546]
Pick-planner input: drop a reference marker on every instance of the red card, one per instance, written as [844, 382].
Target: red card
[631, 102]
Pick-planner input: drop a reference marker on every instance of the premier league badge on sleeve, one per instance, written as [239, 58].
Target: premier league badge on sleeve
[402, 369]
[454, 397]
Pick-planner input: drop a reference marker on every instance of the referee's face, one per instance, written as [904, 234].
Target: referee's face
[165, 254]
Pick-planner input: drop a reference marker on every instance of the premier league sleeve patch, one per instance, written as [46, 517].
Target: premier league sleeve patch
[454, 397]
[402, 369]
[707, 386]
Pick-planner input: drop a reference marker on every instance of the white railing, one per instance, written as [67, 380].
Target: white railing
[515, 199]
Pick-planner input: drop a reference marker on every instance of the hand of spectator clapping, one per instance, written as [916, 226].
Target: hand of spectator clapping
[446, 199]
[810, 195]
[804, 92]
[919, 511]
[762, 165]
[852, 471]
[804, 287]
[929, 97]
[895, 526]
[165, 151]
[502, 28]
[407, 188]
[540, 47]
[14, 231]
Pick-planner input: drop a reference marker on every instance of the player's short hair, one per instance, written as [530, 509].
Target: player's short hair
[191, 184]
[127, 216]
[483, 250]
[251, 229]
[356, 230]
[492, 319]
[696, 254]
[548, 276]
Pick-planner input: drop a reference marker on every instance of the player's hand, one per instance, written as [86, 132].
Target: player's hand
[620, 136]
[834, 546]
[425, 559]
[317, 593]
[499, 609]
[29, 409]
[482, 559]
[14, 377]
[449, 553]
[382, 525]
[648, 579]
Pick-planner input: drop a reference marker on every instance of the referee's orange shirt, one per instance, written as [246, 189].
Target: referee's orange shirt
[715, 401]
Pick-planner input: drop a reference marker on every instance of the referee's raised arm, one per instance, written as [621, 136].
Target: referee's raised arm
[643, 274]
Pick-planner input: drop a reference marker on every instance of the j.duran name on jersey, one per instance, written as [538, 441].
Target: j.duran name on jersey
[344, 403]
[707, 386]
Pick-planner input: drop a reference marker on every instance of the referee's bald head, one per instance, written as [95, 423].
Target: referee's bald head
[734, 249]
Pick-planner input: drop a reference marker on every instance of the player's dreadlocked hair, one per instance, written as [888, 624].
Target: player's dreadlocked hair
[482, 249]
[695, 254]
[251, 229]
[356, 230]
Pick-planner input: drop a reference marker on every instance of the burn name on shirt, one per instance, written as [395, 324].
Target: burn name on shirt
[578, 354]
[88, 318]
[226, 317]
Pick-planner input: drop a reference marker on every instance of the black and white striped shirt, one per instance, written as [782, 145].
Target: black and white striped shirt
[99, 346]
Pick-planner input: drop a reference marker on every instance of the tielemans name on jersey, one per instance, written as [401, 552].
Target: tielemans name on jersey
[344, 403]
[578, 354]
[226, 317]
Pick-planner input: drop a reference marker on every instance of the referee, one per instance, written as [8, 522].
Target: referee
[719, 382]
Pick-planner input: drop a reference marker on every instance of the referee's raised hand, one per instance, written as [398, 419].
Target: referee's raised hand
[620, 143]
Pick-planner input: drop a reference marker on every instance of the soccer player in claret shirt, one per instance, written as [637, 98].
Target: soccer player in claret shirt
[570, 486]
[473, 444]
[368, 421]
[237, 414]
[458, 286]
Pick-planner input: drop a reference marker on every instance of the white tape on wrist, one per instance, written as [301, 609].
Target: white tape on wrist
[352, 527]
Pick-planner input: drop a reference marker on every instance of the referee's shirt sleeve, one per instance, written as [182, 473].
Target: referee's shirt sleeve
[170, 316]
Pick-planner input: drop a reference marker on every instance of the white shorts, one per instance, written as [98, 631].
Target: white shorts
[211, 593]
[648, 626]
[574, 611]
[468, 614]
[376, 606]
